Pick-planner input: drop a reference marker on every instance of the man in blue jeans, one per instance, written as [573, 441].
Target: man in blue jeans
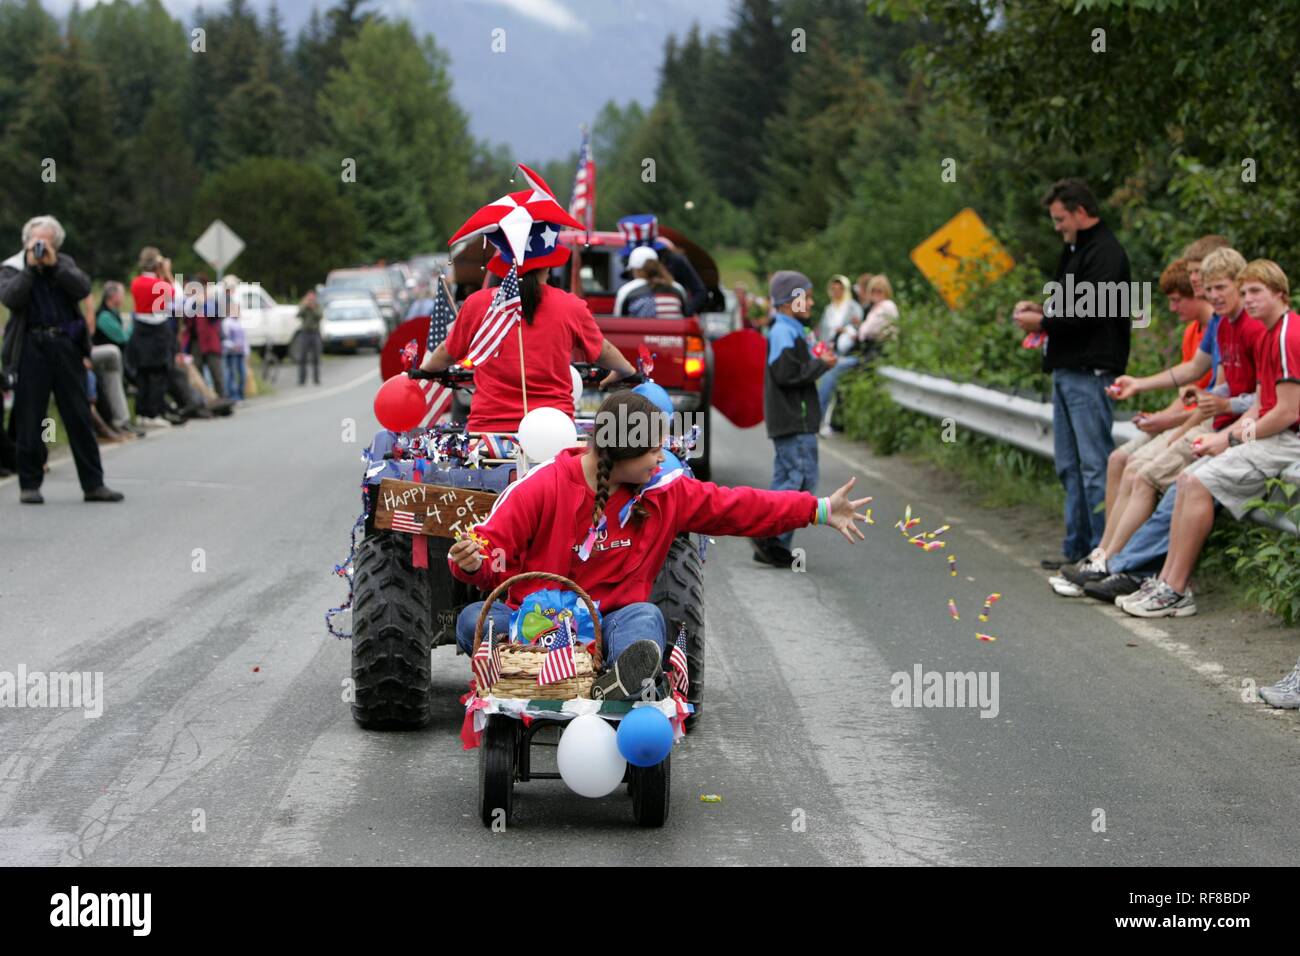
[791, 407]
[1088, 328]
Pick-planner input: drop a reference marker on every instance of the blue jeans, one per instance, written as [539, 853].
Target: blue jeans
[234, 376]
[1082, 419]
[1149, 543]
[795, 469]
[826, 384]
[620, 629]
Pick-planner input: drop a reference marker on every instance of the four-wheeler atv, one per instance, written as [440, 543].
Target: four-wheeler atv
[400, 613]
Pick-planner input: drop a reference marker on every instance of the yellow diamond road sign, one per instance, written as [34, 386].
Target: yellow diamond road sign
[961, 256]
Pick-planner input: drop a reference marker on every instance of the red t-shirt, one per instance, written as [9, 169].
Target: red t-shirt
[1191, 345]
[151, 294]
[1279, 360]
[540, 520]
[561, 326]
[1239, 341]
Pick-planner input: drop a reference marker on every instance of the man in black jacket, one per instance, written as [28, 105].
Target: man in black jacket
[45, 342]
[1087, 318]
[790, 405]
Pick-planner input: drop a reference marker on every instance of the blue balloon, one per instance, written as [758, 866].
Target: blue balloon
[657, 395]
[645, 737]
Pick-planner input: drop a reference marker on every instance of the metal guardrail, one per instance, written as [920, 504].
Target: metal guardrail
[1011, 419]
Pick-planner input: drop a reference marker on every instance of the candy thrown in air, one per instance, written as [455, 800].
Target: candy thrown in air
[952, 610]
[934, 545]
[938, 531]
[710, 798]
[952, 565]
[989, 601]
[870, 520]
[985, 637]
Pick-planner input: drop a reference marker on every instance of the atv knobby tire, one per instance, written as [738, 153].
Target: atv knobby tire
[679, 593]
[391, 636]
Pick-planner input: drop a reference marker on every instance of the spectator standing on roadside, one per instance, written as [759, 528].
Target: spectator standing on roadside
[790, 405]
[1083, 354]
[234, 352]
[152, 344]
[42, 287]
[201, 336]
[309, 346]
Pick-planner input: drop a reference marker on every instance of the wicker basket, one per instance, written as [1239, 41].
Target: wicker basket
[521, 663]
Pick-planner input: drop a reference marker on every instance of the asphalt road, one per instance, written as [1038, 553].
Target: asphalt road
[225, 738]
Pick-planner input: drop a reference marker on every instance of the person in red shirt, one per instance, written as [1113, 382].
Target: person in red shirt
[1236, 463]
[152, 343]
[529, 366]
[605, 517]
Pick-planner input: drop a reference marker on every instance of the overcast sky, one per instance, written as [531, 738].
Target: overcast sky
[563, 58]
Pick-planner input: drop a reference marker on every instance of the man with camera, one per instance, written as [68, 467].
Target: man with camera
[45, 342]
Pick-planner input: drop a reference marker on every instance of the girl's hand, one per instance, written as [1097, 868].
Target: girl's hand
[466, 554]
[844, 512]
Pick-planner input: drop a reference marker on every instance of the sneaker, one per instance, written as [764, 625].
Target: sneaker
[641, 662]
[31, 496]
[1163, 601]
[1064, 587]
[1091, 568]
[145, 421]
[1285, 694]
[1115, 586]
[1144, 589]
[825, 432]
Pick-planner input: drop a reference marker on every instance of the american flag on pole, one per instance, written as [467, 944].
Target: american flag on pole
[559, 658]
[502, 316]
[437, 395]
[408, 522]
[583, 204]
[486, 662]
[677, 661]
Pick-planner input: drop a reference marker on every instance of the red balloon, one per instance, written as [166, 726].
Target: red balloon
[400, 405]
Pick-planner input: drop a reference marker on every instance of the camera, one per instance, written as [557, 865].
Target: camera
[38, 250]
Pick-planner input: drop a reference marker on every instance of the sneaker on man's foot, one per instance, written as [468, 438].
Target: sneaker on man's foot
[1064, 586]
[31, 496]
[1285, 694]
[1086, 571]
[1110, 588]
[1163, 601]
[1144, 589]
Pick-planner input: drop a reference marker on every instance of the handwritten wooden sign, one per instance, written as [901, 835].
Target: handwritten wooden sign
[437, 510]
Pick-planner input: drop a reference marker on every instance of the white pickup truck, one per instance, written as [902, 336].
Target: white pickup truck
[266, 323]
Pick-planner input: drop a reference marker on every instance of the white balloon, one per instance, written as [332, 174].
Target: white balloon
[577, 386]
[545, 432]
[588, 757]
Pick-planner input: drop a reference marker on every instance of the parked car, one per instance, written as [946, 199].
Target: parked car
[349, 323]
[376, 280]
[267, 324]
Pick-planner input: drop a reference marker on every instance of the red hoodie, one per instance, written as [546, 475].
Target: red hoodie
[540, 521]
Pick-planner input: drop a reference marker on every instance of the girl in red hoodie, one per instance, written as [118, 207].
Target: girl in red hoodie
[605, 517]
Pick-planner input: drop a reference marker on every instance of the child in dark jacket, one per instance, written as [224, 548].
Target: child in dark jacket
[606, 517]
[790, 404]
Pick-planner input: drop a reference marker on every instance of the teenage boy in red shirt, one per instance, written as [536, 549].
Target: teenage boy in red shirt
[1236, 463]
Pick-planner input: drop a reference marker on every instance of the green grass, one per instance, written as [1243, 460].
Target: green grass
[737, 267]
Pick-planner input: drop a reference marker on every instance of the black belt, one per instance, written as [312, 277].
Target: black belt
[48, 331]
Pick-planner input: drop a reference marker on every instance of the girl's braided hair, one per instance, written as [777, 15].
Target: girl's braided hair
[627, 426]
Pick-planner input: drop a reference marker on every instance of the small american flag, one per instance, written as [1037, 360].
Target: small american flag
[437, 395]
[677, 662]
[559, 658]
[486, 662]
[500, 318]
[407, 521]
[583, 204]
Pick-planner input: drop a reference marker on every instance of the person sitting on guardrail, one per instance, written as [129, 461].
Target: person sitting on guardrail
[839, 330]
[605, 517]
[1235, 464]
[1226, 351]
